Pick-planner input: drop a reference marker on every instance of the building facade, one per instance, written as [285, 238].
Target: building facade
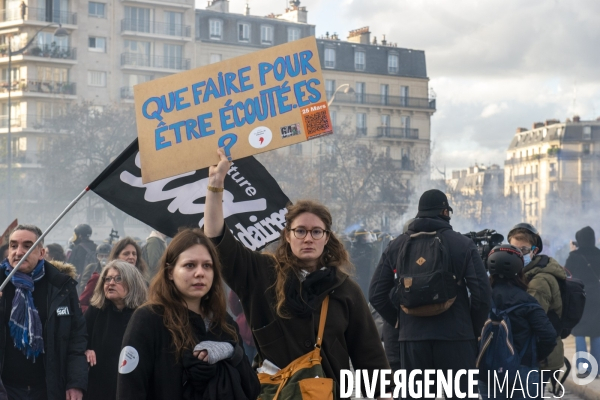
[554, 168]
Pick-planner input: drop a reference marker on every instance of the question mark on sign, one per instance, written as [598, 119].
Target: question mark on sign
[231, 140]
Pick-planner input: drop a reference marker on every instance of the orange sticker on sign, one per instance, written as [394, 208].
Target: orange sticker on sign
[316, 120]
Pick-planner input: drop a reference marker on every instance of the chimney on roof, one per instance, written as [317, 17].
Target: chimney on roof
[537, 125]
[218, 5]
[519, 130]
[552, 122]
[576, 118]
[295, 13]
[361, 35]
[247, 8]
[383, 41]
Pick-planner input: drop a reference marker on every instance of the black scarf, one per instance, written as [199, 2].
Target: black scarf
[301, 298]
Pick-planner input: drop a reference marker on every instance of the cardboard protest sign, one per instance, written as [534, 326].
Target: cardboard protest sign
[247, 105]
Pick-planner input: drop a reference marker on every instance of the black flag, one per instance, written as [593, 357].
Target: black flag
[253, 203]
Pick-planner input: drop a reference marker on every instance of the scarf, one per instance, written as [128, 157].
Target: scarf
[301, 298]
[25, 324]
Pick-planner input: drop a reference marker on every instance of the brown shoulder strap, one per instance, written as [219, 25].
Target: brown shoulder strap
[324, 308]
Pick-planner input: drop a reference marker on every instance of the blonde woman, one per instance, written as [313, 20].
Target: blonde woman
[121, 289]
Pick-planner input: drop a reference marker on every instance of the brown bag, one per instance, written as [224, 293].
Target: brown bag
[303, 378]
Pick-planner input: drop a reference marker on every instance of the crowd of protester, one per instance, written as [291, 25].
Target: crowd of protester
[197, 316]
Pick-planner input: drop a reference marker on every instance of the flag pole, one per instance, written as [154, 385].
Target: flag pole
[37, 242]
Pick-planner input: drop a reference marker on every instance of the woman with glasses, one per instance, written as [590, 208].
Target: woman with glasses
[183, 344]
[282, 294]
[119, 291]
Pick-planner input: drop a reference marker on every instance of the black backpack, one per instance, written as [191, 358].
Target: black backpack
[426, 283]
[572, 294]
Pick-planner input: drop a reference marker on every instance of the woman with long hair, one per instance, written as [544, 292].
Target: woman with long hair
[120, 290]
[282, 294]
[533, 335]
[183, 343]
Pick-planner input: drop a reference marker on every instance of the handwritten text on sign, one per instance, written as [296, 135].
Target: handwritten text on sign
[246, 105]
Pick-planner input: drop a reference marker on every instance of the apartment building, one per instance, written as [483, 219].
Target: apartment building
[554, 168]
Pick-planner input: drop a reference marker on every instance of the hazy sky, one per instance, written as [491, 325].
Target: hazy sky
[495, 65]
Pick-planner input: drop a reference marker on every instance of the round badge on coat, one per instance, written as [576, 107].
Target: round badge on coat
[128, 360]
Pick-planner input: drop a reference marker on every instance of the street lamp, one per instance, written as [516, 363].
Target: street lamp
[60, 32]
[346, 89]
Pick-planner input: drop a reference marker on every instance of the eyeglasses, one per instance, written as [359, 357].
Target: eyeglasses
[525, 250]
[316, 233]
[109, 279]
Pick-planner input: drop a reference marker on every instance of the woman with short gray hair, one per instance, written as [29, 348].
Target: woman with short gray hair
[121, 289]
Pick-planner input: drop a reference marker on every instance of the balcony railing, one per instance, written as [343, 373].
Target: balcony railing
[159, 28]
[166, 2]
[405, 164]
[142, 60]
[525, 177]
[49, 51]
[383, 100]
[361, 131]
[397, 133]
[50, 87]
[127, 92]
[32, 121]
[39, 14]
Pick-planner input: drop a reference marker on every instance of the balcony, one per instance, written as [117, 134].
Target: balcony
[383, 100]
[397, 133]
[35, 86]
[405, 164]
[40, 15]
[170, 3]
[156, 28]
[25, 121]
[127, 92]
[49, 51]
[147, 61]
[525, 177]
[361, 131]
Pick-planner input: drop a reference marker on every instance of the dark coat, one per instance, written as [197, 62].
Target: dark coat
[584, 264]
[159, 374]
[526, 321]
[65, 338]
[82, 252]
[350, 332]
[465, 318]
[106, 328]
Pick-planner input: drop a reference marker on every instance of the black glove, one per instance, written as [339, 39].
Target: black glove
[198, 372]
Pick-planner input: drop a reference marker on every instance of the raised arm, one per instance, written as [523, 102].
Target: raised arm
[213, 208]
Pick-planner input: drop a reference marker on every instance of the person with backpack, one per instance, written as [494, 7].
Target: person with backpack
[584, 263]
[432, 260]
[528, 330]
[544, 276]
[84, 250]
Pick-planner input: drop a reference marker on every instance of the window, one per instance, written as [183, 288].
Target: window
[385, 125]
[404, 96]
[393, 63]
[587, 133]
[586, 188]
[244, 32]
[174, 23]
[586, 148]
[361, 88]
[293, 34]
[266, 34]
[329, 58]
[50, 74]
[333, 115]
[215, 58]
[137, 53]
[329, 87]
[173, 56]
[137, 19]
[97, 44]
[359, 60]
[97, 78]
[361, 124]
[405, 122]
[47, 41]
[384, 91]
[97, 9]
[216, 29]
[552, 170]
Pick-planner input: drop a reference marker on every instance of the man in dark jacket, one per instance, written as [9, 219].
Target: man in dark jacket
[84, 250]
[42, 356]
[584, 264]
[447, 341]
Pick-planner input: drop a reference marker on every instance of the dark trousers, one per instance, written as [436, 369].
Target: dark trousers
[26, 393]
[442, 355]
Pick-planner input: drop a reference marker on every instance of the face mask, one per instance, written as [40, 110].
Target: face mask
[103, 260]
[526, 259]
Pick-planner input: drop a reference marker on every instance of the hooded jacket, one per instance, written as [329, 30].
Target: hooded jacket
[465, 318]
[65, 337]
[83, 250]
[542, 273]
[584, 264]
[350, 333]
